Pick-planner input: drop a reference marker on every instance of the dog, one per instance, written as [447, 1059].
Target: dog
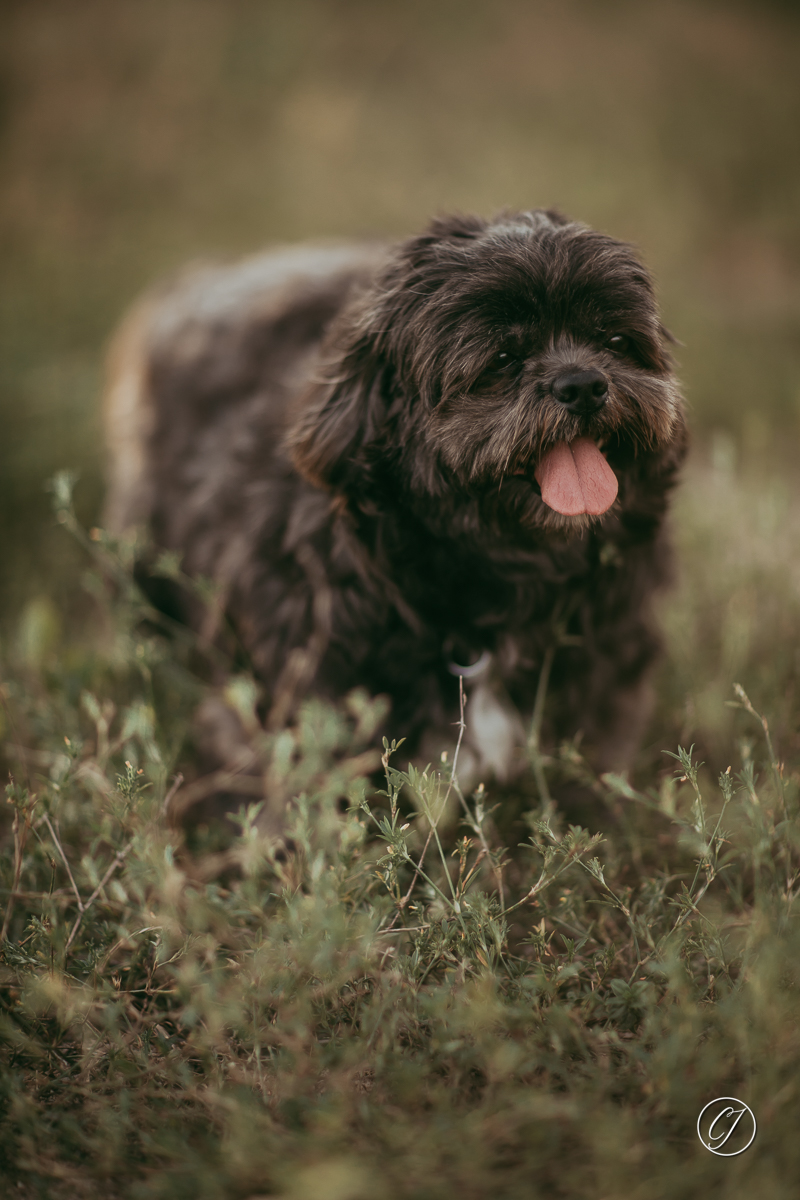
[414, 468]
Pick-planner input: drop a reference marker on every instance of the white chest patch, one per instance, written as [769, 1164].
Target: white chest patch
[493, 735]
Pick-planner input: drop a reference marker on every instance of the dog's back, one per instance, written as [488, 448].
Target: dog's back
[203, 363]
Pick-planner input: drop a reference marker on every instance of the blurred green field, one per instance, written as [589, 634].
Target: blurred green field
[138, 135]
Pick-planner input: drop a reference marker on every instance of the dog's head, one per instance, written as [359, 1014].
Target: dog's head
[517, 366]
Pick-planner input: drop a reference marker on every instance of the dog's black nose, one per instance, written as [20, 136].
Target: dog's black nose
[582, 391]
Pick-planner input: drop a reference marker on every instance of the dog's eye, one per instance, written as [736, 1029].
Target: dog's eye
[501, 362]
[619, 344]
[505, 364]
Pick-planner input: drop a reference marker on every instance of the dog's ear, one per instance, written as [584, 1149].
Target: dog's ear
[369, 357]
[339, 416]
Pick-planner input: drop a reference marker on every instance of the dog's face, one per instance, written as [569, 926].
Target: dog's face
[516, 367]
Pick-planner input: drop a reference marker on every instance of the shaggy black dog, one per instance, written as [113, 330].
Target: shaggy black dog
[448, 457]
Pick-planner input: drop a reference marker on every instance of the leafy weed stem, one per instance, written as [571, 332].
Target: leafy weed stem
[25, 806]
[544, 880]
[594, 869]
[474, 820]
[61, 487]
[569, 850]
[777, 768]
[116, 862]
[534, 738]
[709, 858]
[418, 871]
[64, 859]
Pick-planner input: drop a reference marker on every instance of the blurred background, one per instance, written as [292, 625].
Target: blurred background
[135, 136]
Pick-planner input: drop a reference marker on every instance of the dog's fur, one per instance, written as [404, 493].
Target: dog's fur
[334, 435]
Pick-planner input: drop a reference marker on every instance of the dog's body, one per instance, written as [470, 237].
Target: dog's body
[355, 443]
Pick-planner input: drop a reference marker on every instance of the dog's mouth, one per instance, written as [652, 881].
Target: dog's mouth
[575, 479]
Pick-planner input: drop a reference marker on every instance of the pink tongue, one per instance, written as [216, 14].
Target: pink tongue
[575, 478]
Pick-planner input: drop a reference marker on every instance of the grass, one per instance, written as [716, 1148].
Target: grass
[392, 1006]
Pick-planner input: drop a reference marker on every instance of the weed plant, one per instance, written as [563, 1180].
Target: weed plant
[383, 1005]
